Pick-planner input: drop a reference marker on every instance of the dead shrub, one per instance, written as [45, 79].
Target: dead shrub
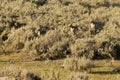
[18, 73]
[51, 75]
[77, 64]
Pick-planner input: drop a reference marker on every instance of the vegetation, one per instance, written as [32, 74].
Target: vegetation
[38, 30]
[53, 70]
[56, 28]
[14, 72]
[78, 76]
[77, 64]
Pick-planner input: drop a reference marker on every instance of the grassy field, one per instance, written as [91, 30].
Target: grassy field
[54, 70]
[41, 68]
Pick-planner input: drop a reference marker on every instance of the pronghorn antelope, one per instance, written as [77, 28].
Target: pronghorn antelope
[73, 29]
[92, 25]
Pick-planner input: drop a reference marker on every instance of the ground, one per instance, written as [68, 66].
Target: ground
[100, 71]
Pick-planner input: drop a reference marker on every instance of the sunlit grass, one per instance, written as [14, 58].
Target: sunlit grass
[100, 72]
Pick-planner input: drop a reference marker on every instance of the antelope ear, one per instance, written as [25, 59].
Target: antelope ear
[92, 25]
[70, 25]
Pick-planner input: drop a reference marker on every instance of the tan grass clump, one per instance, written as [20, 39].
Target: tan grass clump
[16, 72]
[77, 64]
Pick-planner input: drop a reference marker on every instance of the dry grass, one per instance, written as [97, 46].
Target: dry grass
[16, 72]
[77, 64]
[52, 29]
[54, 69]
[78, 76]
